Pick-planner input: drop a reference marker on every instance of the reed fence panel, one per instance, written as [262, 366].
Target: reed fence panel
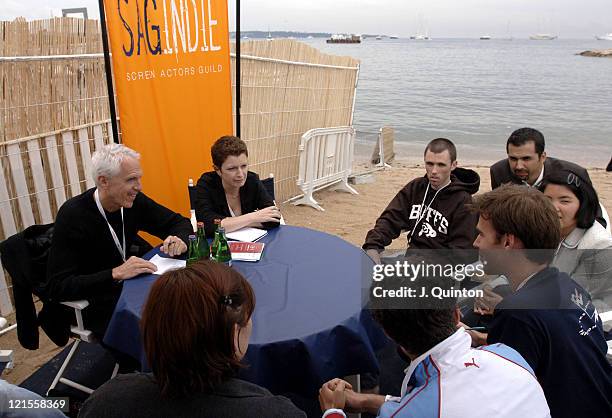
[54, 113]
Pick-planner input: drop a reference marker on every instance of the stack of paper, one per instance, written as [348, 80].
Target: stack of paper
[246, 234]
[164, 264]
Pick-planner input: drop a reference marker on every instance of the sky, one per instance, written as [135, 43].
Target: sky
[439, 18]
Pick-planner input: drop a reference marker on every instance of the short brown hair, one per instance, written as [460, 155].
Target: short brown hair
[226, 146]
[525, 213]
[439, 145]
[188, 326]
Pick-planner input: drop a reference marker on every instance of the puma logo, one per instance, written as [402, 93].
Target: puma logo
[473, 363]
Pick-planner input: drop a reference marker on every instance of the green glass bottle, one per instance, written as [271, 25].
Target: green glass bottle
[194, 251]
[203, 242]
[223, 254]
[215, 243]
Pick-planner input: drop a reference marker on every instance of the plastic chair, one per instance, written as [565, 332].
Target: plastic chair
[6, 356]
[79, 333]
[268, 184]
[24, 256]
[192, 216]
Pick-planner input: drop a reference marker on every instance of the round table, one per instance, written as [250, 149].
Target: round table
[309, 323]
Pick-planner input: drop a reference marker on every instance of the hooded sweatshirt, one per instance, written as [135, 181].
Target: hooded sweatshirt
[434, 219]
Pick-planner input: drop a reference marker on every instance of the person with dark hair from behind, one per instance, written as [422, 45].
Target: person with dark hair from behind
[431, 208]
[231, 192]
[196, 325]
[549, 318]
[585, 250]
[446, 376]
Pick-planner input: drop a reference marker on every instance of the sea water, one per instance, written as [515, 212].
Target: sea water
[477, 92]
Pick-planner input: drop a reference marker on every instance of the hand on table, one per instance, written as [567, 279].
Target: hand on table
[173, 246]
[478, 338]
[333, 394]
[338, 393]
[268, 214]
[132, 268]
[374, 255]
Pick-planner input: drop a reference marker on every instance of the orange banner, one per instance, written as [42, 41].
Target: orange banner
[171, 66]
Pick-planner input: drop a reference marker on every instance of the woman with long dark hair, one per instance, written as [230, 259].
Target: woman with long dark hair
[585, 250]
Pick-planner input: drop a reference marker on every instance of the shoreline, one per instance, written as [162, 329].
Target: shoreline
[363, 161]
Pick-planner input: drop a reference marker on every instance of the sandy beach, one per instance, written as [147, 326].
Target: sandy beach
[352, 216]
[347, 216]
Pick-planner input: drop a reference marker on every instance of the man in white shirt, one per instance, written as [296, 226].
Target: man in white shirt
[446, 376]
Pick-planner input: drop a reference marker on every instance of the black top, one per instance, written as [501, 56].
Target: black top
[137, 395]
[446, 222]
[83, 252]
[210, 202]
[552, 323]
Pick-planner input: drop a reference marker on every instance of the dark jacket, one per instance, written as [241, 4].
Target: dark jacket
[501, 174]
[24, 256]
[137, 395]
[83, 252]
[552, 323]
[446, 222]
[210, 202]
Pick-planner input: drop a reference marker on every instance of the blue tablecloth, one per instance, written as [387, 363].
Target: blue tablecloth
[309, 324]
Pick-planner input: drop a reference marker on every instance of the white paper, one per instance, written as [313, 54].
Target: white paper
[247, 234]
[164, 264]
[246, 256]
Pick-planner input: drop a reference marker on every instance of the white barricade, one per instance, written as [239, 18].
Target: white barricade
[326, 159]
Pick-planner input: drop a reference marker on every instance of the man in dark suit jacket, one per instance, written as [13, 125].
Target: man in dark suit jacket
[526, 159]
[528, 164]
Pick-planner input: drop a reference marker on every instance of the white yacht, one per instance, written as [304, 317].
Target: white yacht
[606, 37]
[543, 37]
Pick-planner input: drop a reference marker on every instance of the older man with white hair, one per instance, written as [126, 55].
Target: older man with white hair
[92, 252]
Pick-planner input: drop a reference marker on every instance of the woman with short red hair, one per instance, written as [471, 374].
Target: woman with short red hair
[196, 326]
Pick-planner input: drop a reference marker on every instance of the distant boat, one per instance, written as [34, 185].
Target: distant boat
[341, 38]
[393, 37]
[245, 38]
[309, 37]
[606, 37]
[378, 38]
[420, 37]
[543, 37]
[485, 38]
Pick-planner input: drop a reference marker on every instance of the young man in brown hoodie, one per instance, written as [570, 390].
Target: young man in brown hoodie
[431, 208]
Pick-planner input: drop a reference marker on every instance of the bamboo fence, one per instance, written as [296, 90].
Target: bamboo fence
[288, 88]
[54, 112]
